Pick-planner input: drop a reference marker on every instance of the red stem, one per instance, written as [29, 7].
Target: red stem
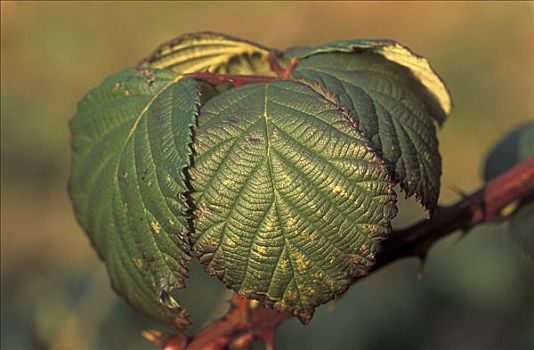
[290, 68]
[274, 65]
[239, 80]
[234, 79]
[481, 206]
[282, 73]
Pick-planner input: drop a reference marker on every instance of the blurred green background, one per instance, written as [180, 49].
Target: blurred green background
[475, 293]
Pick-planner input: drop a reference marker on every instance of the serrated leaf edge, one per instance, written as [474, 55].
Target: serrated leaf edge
[306, 315]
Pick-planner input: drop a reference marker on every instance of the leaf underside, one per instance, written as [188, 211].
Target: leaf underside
[131, 143]
[380, 98]
[211, 52]
[291, 203]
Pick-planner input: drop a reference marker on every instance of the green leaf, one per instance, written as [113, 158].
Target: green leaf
[337, 46]
[131, 143]
[211, 52]
[291, 203]
[516, 147]
[432, 89]
[382, 103]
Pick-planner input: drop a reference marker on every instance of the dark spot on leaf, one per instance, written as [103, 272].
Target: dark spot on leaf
[150, 76]
[254, 140]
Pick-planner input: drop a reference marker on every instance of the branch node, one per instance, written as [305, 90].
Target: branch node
[274, 65]
[276, 68]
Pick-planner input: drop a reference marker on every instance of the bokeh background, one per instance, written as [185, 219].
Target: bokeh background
[475, 292]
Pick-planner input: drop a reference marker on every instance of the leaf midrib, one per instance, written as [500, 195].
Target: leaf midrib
[109, 161]
[147, 107]
[268, 133]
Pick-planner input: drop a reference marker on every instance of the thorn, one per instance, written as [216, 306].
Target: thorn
[466, 230]
[463, 234]
[422, 261]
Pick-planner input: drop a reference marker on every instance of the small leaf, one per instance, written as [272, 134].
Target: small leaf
[380, 97]
[433, 90]
[131, 143]
[516, 147]
[211, 52]
[291, 203]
